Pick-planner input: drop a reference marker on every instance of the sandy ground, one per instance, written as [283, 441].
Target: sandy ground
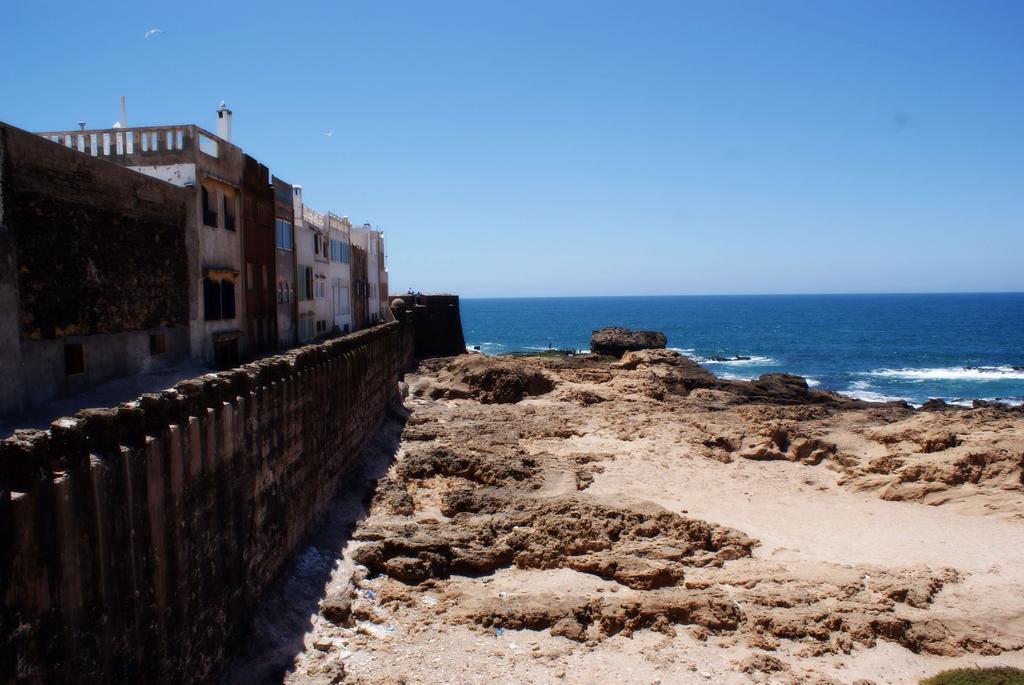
[592, 521]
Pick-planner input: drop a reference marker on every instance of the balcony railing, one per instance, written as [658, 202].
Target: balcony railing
[118, 141]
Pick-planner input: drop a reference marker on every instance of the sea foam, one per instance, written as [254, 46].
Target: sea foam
[863, 390]
[685, 351]
[754, 360]
[961, 373]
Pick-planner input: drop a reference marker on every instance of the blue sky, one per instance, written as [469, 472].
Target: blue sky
[591, 148]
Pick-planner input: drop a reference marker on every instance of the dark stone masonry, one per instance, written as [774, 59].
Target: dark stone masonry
[88, 260]
[135, 542]
[93, 271]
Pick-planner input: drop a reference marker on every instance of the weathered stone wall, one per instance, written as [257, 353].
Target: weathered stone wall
[92, 255]
[100, 249]
[135, 542]
[436, 323]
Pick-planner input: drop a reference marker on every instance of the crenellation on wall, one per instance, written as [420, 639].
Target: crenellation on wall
[137, 539]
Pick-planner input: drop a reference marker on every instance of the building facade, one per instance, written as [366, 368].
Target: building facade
[284, 262]
[373, 243]
[260, 259]
[264, 271]
[317, 225]
[339, 277]
[305, 327]
[93, 267]
[360, 289]
[211, 168]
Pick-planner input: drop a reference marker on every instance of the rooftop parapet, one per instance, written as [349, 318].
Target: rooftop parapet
[186, 139]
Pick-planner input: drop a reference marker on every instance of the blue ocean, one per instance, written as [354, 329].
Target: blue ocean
[958, 347]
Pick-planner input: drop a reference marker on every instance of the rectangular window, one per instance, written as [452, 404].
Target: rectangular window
[266, 278]
[305, 283]
[209, 215]
[229, 213]
[157, 344]
[208, 145]
[74, 360]
[169, 140]
[211, 300]
[344, 301]
[227, 299]
[283, 232]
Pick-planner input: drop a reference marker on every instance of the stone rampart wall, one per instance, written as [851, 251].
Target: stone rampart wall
[135, 542]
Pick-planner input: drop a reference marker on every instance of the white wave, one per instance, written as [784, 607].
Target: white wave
[685, 351]
[1011, 401]
[861, 390]
[753, 360]
[870, 396]
[735, 376]
[960, 373]
[812, 382]
[485, 347]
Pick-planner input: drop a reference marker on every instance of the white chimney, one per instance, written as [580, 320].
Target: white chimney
[297, 204]
[124, 114]
[224, 122]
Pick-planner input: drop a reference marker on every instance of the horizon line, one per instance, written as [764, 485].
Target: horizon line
[783, 294]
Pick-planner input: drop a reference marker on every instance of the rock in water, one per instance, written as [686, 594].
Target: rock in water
[616, 341]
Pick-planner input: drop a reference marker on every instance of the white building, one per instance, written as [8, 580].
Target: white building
[210, 165]
[316, 223]
[304, 264]
[376, 271]
[339, 277]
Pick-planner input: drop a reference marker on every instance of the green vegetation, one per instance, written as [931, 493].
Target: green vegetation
[977, 676]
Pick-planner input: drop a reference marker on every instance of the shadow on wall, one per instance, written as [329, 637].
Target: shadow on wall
[291, 605]
[137, 542]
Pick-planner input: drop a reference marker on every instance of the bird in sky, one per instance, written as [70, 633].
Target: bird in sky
[329, 133]
[153, 32]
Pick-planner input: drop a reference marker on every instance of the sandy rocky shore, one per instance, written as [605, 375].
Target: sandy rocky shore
[595, 520]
